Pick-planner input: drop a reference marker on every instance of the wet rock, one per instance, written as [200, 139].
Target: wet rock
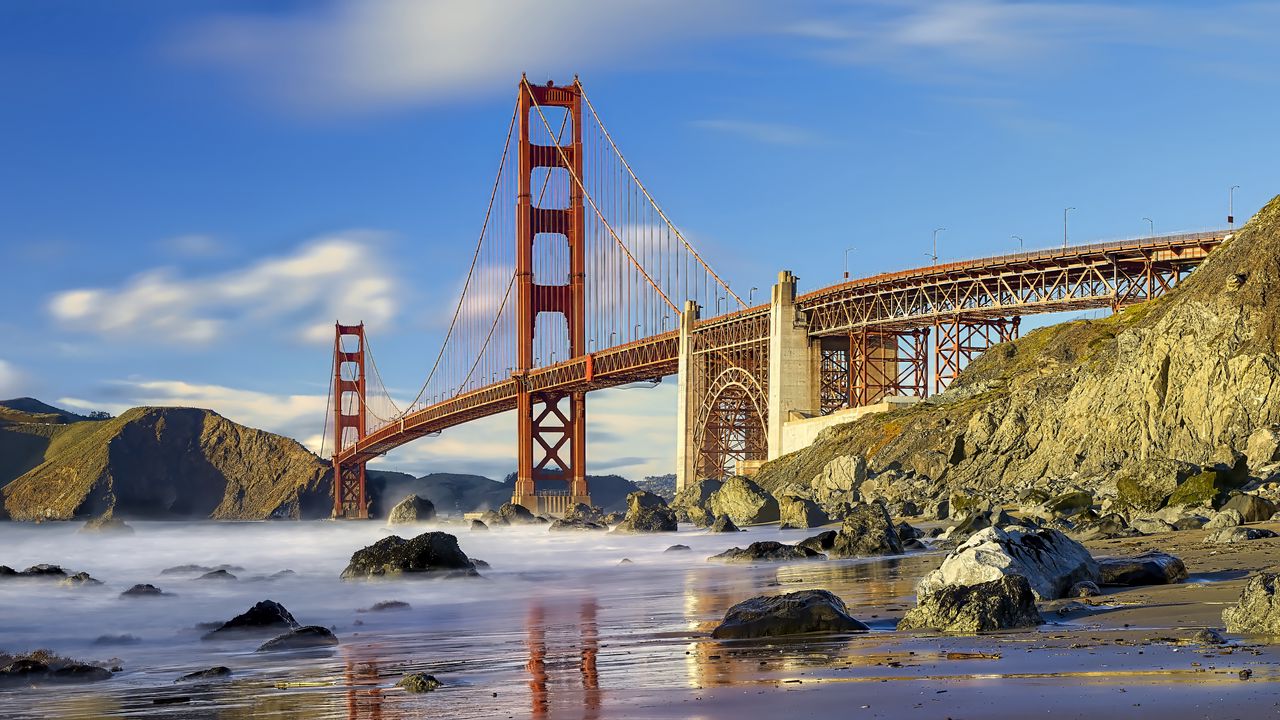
[198, 569]
[1257, 612]
[745, 502]
[1149, 568]
[677, 548]
[123, 639]
[907, 532]
[106, 524]
[1224, 519]
[265, 617]
[432, 554]
[1111, 525]
[723, 524]
[806, 611]
[1227, 536]
[1151, 526]
[386, 605]
[820, 543]
[303, 638]
[143, 590]
[1209, 636]
[1000, 604]
[419, 683]
[1049, 560]
[1084, 588]
[576, 524]
[1252, 508]
[517, 514]
[44, 667]
[217, 575]
[478, 525]
[219, 672]
[692, 501]
[766, 550]
[647, 513]
[866, 531]
[412, 509]
[798, 512]
[80, 579]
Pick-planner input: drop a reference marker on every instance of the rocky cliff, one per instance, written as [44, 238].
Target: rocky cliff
[1189, 376]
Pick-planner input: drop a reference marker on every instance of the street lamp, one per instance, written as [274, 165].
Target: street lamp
[935, 244]
[751, 295]
[1231, 201]
[1152, 225]
[1064, 225]
[846, 261]
[1019, 239]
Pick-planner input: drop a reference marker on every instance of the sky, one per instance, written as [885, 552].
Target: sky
[192, 193]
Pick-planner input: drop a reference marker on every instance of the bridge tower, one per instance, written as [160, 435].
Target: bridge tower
[552, 428]
[350, 500]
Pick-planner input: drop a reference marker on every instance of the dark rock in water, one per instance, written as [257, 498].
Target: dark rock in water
[198, 569]
[412, 509]
[478, 525]
[1084, 588]
[767, 550]
[42, 667]
[217, 575]
[1227, 536]
[1251, 507]
[80, 579]
[282, 574]
[907, 532]
[1006, 602]
[480, 564]
[1258, 610]
[1148, 568]
[1209, 636]
[866, 531]
[575, 524]
[125, 639]
[419, 683]
[677, 548]
[798, 512]
[820, 543]
[723, 524]
[625, 561]
[214, 673]
[303, 638]
[647, 513]
[914, 544]
[386, 605]
[7, 572]
[143, 590]
[516, 514]
[43, 571]
[1108, 526]
[266, 617]
[78, 673]
[107, 524]
[744, 501]
[806, 611]
[433, 554]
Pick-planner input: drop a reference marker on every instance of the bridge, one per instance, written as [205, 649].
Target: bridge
[580, 282]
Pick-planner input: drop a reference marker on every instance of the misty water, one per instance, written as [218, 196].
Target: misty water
[556, 627]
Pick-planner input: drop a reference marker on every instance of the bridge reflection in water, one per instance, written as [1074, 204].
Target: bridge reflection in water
[574, 646]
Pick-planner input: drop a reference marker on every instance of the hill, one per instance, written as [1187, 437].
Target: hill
[31, 410]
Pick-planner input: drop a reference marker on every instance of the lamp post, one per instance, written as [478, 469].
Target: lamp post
[1151, 225]
[1231, 202]
[846, 261]
[1064, 225]
[935, 244]
[1019, 239]
[751, 295]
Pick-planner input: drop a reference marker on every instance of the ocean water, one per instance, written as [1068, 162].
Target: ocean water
[555, 628]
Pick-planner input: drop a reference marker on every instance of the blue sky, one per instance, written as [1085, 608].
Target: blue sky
[179, 182]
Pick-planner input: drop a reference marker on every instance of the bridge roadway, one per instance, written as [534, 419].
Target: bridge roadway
[1070, 278]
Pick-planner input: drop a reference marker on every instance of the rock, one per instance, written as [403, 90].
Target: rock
[1257, 611]
[35, 670]
[1252, 508]
[517, 514]
[478, 525]
[387, 605]
[1209, 636]
[745, 502]
[805, 611]
[480, 564]
[1206, 488]
[1190, 522]
[1227, 536]
[797, 512]
[303, 638]
[198, 569]
[723, 524]
[625, 561]
[1149, 568]
[1069, 503]
[838, 483]
[576, 524]
[614, 518]
[491, 518]
[267, 616]
[907, 532]
[1111, 525]
[1224, 519]
[220, 672]
[980, 520]
[80, 579]
[581, 512]
[766, 550]
[143, 590]
[418, 683]
[866, 531]
[412, 509]
[1145, 485]
[1049, 560]
[904, 508]
[217, 575]
[692, 500]
[43, 571]
[107, 524]
[647, 513]
[1000, 604]
[820, 543]
[962, 505]
[122, 639]
[677, 548]
[1151, 526]
[1263, 446]
[431, 554]
[1084, 588]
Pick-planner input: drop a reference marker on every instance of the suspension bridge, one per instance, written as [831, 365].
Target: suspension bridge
[580, 282]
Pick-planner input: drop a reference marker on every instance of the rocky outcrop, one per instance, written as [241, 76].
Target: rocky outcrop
[42, 667]
[723, 524]
[767, 551]
[419, 683]
[106, 524]
[267, 616]
[744, 501]
[866, 531]
[517, 514]
[1000, 604]
[806, 611]
[432, 554]
[1049, 560]
[798, 512]
[143, 590]
[218, 672]
[647, 513]
[692, 502]
[302, 638]
[1149, 568]
[1257, 612]
[574, 525]
[412, 509]
[1232, 535]
[1252, 508]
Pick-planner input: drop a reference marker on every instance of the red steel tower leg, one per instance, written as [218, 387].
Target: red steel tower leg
[552, 436]
[349, 498]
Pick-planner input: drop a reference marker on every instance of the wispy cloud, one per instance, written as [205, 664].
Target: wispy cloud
[334, 276]
[194, 245]
[762, 132]
[11, 379]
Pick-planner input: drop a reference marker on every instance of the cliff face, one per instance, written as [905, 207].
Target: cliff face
[1188, 376]
[162, 463]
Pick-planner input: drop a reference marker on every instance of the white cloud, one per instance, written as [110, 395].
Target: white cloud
[339, 276]
[11, 380]
[194, 245]
[352, 55]
[762, 132]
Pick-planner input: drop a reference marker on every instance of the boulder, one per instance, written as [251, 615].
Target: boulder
[1145, 485]
[866, 531]
[798, 512]
[1000, 604]
[1228, 536]
[805, 611]
[412, 509]
[585, 513]
[1049, 560]
[1224, 518]
[387, 605]
[1252, 508]
[767, 550]
[723, 524]
[42, 667]
[744, 501]
[678, 548]
[217, 575]
[980, 520]
[265, 617]
[478, 526]
[820, 543]
[1069, 503]
[303, 638]
[576, 524]
[143, 590]
[192, 569]
[1207, 488]
[517, 514]
[1263, 447]
[1257, 612]
[219, 672]
[1190, 522]
[837, 485]
[1111, 525]
[80, 579]
[491, 518]
[1149, 568]
[1084, 588]
[908, 532]
[647, 513]
[418, 683]
[692, 501]
[1151, 526]
[106, 524]
[432, 554]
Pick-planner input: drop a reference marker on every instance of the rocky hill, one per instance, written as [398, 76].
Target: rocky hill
[1189, 377]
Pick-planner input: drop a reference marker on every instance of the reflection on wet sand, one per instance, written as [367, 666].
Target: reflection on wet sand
[364, 694]
[585, 650]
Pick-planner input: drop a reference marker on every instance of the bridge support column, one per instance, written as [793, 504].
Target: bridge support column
[959, 340]
[887, 363]
[686, 402]
[793, 364]
[349, 423]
